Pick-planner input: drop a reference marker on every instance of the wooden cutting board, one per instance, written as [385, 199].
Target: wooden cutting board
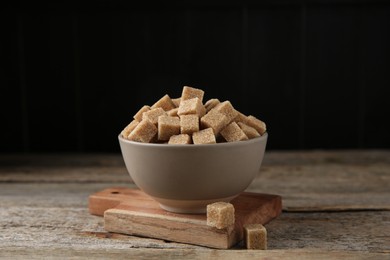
[132, 212]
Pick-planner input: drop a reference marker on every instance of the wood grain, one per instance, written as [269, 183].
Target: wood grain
[131, 211]
[43, 211]
[158, 254]
[52, 223]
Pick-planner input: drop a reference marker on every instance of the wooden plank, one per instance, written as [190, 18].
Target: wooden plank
[131, 211]
[150, 223]
[110, 198]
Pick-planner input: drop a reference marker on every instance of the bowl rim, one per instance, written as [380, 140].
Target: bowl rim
[190, 146]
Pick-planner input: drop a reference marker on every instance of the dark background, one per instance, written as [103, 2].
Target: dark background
[72, 75]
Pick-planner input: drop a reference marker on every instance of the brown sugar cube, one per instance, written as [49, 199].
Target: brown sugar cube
[168, 126]
[173, 112]
[202, 111]
[233, 132]
[214, 119]
[165, 103]
[153, 114]
[255, 236]
[191, 106]
[189, 124]
[176, 101]
[227, 109]
[180, 139]
[143, 132]
[138, 116]
[241, 118]
[211, 103]
[220, 215]
[257, 124]
[130, 127]
[189, 93]
[249, 131]
[205, 136]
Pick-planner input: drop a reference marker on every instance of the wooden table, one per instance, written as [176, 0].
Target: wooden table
[336, 205]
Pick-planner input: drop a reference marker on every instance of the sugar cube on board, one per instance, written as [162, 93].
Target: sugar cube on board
[220, 215]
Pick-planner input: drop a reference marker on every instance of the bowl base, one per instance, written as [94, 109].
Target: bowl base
[189, 206]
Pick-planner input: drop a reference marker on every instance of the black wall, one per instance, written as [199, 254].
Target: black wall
[73, 75]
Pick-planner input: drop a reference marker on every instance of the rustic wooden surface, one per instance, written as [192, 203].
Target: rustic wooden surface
[132, 212]
[336, 205]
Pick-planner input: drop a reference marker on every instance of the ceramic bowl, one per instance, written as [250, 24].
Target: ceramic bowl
[185, 178]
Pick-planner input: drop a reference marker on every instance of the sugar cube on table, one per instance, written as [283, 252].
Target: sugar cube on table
[153, 114]
[233, 132]
[191, 106]
[168, 126]
[220, 215]
[255, 236]
[214, 119]
[180, 139]
[205, 136]
[144, 132]
[165, 103]
[189, 93]
[189, 124]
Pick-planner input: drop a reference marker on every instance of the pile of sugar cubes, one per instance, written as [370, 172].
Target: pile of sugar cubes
[186, 120]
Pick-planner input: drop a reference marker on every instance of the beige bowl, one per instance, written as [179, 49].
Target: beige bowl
[185, 178]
